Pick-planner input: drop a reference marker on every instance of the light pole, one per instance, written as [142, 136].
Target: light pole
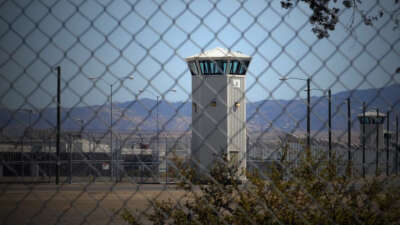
[308, 80]
[157, 129]
[111, 115]
[349, 158]
[81, 121]
[329, 119]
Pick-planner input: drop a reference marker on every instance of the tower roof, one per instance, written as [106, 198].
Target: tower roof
[218, 53]
[372, 114]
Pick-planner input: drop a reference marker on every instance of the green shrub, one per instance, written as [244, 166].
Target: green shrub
[311, 192]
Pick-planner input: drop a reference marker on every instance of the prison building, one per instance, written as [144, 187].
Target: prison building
[218, 108]
[374, 132]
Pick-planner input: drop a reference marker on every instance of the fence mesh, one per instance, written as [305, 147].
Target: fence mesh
[103, 103]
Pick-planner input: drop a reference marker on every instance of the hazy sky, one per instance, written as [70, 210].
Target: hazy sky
[150, 39]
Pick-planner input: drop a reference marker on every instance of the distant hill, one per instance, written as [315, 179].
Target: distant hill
[287, 115]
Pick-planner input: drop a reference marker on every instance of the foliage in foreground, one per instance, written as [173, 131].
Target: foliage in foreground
[311, 192]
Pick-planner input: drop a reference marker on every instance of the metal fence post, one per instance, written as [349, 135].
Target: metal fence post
[387, 143]
[58, 124]
[166, 162]
[111, 135]
[363, 140]
[397, 145]
[330, 123]
[377, 143]
[308, 113]
[349, 133]
[71, 146]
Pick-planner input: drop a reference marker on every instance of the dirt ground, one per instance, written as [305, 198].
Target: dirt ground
[76, 206]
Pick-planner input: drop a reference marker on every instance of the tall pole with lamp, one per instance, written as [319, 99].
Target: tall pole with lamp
[329, 120]
[157, 128]
[113, 172]
[308, 80]
[81, 122]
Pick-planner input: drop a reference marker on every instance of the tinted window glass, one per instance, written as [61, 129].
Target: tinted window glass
[202, 66]
[193, 68]
[206, 68]
[221, 67]
[211, 67]
[243, 67]
[234, 67]
[194, 105]
[239, 67]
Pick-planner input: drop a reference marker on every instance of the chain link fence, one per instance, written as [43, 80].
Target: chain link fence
[113, 97]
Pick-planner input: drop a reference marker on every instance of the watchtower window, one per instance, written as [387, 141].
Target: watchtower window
[234, 67]
[213, 103]
[234, 159]
[365, 120]
[212, 67]
[368, 120]
[239, 67]
[380, 120]
[221, 68]
[194, 105]
[193, 68]
[243, 67]
[203, 67]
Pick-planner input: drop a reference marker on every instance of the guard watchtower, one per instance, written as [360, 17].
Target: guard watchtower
[373, 128]
[219, 107]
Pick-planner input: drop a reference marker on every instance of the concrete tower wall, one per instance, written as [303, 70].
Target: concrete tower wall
[371, 131]
[237, 119]
[209, 116]
[373, 128]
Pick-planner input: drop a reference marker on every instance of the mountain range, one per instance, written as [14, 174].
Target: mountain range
[285, 115]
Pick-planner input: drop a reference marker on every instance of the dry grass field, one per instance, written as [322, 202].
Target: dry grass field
[74, 204]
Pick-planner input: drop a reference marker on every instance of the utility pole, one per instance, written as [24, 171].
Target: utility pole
[114, 168]
[329, 118]
[72, 146]
[58, 124]
[308, 80]
[157, 157]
